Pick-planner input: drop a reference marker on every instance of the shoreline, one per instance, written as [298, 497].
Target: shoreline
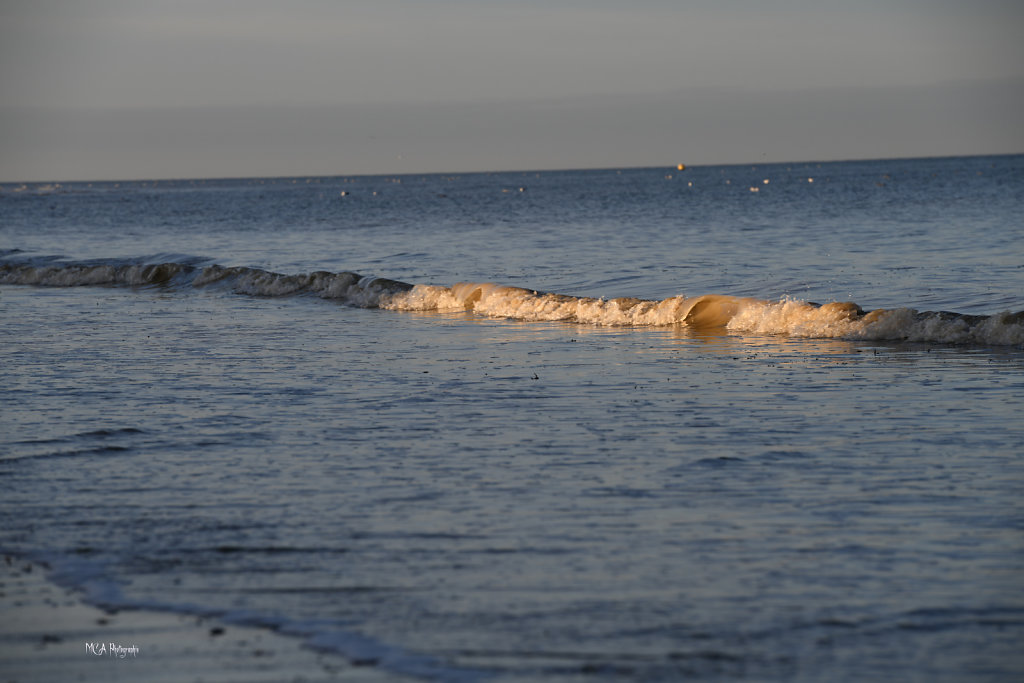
[48, 633]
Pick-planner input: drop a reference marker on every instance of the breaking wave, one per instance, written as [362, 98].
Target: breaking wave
[794, 318]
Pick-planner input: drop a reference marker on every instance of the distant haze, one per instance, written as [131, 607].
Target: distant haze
[94, 89]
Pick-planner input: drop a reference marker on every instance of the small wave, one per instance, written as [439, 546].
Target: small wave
[72, 453]
[794, 318]
[80, 275]
[350, 288]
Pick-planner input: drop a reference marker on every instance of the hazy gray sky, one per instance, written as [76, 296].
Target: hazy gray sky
[94, 89]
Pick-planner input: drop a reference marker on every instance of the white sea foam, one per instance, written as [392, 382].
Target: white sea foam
[844, 320]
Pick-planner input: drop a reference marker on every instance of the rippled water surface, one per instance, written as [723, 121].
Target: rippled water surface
[455, 496]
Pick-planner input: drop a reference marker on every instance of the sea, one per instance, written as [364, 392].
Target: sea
[749, 422]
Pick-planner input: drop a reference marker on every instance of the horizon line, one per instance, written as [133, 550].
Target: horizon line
[503, 171]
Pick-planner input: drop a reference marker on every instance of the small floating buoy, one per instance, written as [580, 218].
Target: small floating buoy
[755, 189]
[680, 167]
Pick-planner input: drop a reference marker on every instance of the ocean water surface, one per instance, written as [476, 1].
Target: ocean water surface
[725, 423]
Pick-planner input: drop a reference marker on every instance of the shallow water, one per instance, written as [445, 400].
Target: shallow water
[457, 496]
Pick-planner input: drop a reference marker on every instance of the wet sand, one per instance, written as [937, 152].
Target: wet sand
[48, 634]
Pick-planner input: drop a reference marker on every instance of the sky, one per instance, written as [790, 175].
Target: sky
[125, 89]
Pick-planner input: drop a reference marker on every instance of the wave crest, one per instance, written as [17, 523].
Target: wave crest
[80, 275]
[842, 320]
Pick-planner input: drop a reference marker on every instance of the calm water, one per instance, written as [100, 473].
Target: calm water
[485, 483]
